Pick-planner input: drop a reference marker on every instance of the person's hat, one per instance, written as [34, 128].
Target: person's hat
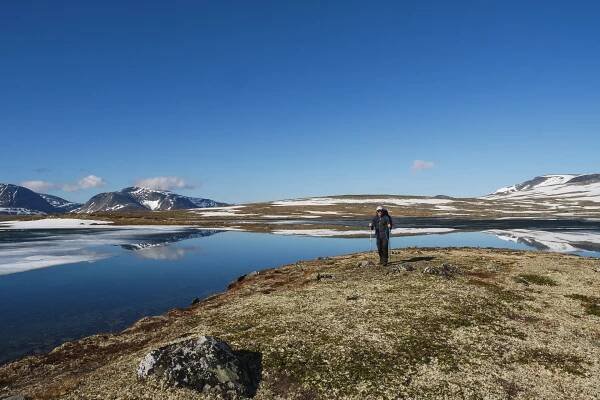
[379, 208]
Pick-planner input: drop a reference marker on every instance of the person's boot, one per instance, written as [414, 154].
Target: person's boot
[384, 263]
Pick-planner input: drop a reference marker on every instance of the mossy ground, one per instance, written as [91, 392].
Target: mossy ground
[368, 333]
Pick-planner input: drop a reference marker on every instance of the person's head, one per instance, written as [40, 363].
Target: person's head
[380, 210]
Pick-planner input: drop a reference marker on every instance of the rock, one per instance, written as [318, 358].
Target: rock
[242, 278]
[353, 297]
[323, 258]
[204, 364]
[402, 268]
[321, 276]
[445, 270]
[196, 301]
[365, 264]
[15, 397]
[519, 279]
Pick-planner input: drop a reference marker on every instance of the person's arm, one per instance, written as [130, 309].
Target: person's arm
[391, 222]
[372, 224]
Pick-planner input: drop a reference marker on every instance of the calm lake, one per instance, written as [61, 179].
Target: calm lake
[90, 281]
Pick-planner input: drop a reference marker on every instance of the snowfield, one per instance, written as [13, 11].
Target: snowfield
[55, 223]
[73, 223]
[552, 186]
[332, 201]
[548, 240]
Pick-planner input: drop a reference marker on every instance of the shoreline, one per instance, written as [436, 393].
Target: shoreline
[304, 306]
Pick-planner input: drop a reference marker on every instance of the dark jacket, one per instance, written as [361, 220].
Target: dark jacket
[380, 224]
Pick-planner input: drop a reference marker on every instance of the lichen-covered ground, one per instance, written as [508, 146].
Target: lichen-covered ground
[510, 325]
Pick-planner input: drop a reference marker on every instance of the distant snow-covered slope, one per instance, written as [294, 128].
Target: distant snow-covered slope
[18, 200]
[142, 199]
[566, 187]
[60, 204]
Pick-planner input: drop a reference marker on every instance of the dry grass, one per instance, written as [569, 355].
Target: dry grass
[369, 333]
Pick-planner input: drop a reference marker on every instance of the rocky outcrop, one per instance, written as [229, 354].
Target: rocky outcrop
[206, 364]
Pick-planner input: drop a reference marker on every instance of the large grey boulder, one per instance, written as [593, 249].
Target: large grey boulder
[205, 364]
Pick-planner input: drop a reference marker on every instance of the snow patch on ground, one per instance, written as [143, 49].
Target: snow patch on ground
[222, 214]
[43, 261]
[330, 201]
[55, 223]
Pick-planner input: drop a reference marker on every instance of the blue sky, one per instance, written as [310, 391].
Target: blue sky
[244, 101]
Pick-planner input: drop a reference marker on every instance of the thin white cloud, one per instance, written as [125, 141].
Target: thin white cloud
[164, 183]
[91, 181]
[87, 182]
[420, 165]
[39, 186]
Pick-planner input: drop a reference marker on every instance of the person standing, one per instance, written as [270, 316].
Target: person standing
[382, 224]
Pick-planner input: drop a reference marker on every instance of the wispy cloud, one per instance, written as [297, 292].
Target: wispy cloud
[87, 182]
[39, 186]
[420, 165]
[164, 183]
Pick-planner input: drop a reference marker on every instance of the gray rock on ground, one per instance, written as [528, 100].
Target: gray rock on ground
[365, 264]
[445, 270]
[402, 268]
[206, 364]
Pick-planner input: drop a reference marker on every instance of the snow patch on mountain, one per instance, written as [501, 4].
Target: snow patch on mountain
[142, 199]
[570, 187]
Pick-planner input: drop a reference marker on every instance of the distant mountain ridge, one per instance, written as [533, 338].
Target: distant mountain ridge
[573, 187]
[18, 200]
[143, 199]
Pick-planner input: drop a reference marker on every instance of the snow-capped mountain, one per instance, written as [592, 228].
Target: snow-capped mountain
[143, 199]
[19, 200]
[570, 187]
[60, 204]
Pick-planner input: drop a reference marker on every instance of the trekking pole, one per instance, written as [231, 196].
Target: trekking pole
[389, 243]
[370, 240]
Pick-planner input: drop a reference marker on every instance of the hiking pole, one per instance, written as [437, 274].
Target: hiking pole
[370, 240]
[389, 244]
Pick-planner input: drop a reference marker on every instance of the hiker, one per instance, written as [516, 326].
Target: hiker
[382, 223]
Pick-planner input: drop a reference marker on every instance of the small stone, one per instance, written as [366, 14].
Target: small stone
[321, 276]
[365, 264]
[402, 268]
[15, 397]
[251, 274]
[524, 281]
[445, 270]
[353, 297]
[242, 278]
[196, 301]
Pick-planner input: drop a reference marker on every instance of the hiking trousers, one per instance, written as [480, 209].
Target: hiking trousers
[382, 248]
